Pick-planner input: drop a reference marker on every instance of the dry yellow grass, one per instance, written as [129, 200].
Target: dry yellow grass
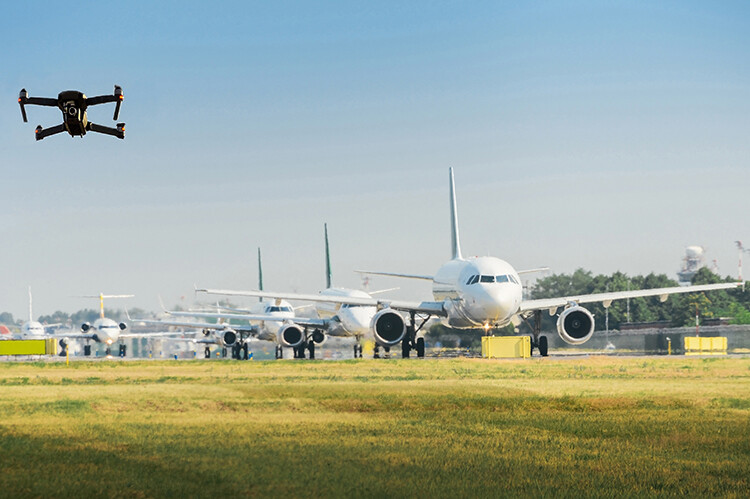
[583, 426]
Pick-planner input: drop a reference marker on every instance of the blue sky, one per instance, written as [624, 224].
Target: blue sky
[604, 135]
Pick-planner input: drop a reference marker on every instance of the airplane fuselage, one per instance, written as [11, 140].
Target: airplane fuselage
[478, 292]
[346, 319]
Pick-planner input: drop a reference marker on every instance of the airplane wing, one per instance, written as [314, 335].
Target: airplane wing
[302, 321]
[73, 336]
[395, 274]
[196, 325]
[426, 307]
[552, 304]
[149, 335]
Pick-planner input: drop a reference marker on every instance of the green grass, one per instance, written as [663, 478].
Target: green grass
[540, 427]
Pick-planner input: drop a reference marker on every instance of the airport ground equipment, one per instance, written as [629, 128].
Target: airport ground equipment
[506, 347]
[73, 105]
[699, 345]
[28, 347]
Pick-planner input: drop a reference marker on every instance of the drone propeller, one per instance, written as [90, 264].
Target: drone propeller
[23, 97]
[118, 94]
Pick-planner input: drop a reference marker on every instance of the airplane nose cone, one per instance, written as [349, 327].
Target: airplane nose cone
[497, 304]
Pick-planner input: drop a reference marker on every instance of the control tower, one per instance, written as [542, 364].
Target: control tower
[692, 262]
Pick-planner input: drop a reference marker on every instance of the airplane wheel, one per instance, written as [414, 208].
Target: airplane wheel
[420, 348]
[207, 353]
[376, 353]
[223, 353]
[543, 346]
[86, 350]
[244, 351]
[123, 350]
[311, 349]
[108, 352]
[405, 348]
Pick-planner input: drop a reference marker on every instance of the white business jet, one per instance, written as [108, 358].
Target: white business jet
[477, 292]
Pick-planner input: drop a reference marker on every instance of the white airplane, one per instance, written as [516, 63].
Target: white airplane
[104, 330]
[31, 328]
[269, 320]
[477, 292]
[336, 318]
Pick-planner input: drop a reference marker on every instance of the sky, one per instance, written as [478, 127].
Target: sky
[603, 135]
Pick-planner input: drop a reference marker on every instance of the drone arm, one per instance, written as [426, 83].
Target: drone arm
[118, 132]
[23, 99]
[41, 101]
[46, 132]
[117, 97]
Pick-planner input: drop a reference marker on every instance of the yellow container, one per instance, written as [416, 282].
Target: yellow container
[50, 346]
[23, 347]
[506, 347]
[698, 345]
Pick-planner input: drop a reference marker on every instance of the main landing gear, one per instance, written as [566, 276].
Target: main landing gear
[357, 350]
[207, 353]
[123, 350]
[411, 341]
[240, 351]
[537, 340]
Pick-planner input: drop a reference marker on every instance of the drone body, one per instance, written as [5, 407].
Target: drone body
[73, 105]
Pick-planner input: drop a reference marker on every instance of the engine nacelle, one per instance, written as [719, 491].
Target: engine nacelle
[318, 337]
[227, 337]
[291, 335]
[85, 326]
[123, 326]
[388, 327]
[575, 325]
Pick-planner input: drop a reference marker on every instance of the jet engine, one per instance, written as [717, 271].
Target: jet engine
[123, 326]
[318, 337]
[227, 337]
[389, 327]
[85, 326]
[575, 325]
[291, 335]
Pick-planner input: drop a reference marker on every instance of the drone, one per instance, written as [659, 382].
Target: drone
[73, 105]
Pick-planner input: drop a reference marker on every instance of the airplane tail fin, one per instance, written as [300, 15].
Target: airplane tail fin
[260, 275]
[455, 244]
[328, 258]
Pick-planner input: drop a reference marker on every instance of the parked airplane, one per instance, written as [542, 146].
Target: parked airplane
[104, 330]
[477, 292]
[269, 320]
[335, 318]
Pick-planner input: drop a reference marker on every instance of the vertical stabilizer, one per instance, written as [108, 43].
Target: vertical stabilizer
[31, 314]
[328, 258]
[260, 275]
[455, 244]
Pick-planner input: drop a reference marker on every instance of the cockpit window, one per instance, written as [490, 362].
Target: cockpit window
[487, 278]
[502, 278]
[471, 280]
[287, 309]
[513, 279]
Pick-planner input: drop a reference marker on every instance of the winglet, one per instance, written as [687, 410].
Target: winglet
[455, 244]
[328, 258]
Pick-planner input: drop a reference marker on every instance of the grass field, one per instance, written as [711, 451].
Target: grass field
[541, 427]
